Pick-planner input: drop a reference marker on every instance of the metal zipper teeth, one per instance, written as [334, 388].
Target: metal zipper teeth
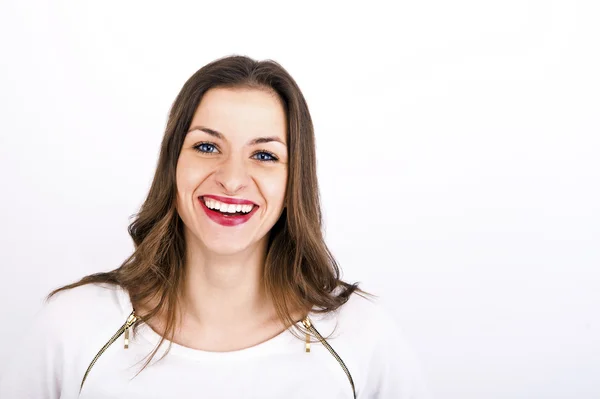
[307, 323]
[130, 321]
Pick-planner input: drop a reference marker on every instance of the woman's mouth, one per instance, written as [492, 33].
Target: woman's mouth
[227, 211]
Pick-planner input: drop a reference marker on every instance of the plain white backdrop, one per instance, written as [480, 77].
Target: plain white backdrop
[458, 149]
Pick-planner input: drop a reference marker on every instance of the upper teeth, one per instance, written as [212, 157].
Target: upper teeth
[229, 208]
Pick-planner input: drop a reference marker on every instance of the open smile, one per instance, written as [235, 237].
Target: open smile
[227, 211]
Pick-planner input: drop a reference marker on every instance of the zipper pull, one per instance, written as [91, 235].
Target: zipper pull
[307, 343]
[307, 324]
[130, 320]
[126, 337]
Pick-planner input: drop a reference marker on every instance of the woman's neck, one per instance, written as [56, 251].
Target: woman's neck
[225, 292]
[223, 303]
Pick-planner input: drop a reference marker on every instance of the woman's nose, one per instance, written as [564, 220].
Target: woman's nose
[232, 175]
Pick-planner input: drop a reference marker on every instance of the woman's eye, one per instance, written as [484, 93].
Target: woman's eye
[265, 156]
[206, 147]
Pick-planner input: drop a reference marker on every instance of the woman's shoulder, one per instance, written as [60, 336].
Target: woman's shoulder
[102, 296]
[86, 306]
[376, 349]
[362, 314]
[87, 293]
[61, 339]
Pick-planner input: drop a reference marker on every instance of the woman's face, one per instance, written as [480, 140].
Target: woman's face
[232, 170]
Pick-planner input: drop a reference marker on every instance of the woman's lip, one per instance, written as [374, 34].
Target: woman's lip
[226, 220]
[226, 200]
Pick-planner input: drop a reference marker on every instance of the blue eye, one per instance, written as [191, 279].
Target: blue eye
[265, 156]
[210, 148]
[206, 148]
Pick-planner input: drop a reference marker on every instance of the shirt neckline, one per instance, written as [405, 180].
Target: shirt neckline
[284, 342]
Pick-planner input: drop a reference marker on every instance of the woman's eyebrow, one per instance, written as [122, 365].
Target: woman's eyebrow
[258, 140]
[262, 140]
[209, 131]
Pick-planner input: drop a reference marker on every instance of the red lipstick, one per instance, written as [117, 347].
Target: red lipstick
[227, 219]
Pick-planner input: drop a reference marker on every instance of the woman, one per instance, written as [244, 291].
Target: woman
[230, 269]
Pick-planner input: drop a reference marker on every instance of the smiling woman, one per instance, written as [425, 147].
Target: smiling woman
[230, 269]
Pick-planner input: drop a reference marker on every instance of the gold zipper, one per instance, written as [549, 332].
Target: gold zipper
[132, 319]
[309, 326]
[123, 329]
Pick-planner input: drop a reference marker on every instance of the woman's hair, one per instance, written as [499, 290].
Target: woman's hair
[300, 272]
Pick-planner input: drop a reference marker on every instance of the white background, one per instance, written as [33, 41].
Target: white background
[458, 147]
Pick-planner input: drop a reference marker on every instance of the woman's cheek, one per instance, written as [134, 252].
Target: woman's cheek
[274, 186]
[191, 171]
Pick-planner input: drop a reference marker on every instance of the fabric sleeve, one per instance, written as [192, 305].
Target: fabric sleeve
[34, 367]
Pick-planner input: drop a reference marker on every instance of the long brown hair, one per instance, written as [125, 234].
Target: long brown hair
[299, 272]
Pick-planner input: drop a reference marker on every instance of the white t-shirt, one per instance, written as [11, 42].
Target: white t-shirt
[70, 330]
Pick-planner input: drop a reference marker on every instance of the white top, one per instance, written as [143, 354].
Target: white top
[68, 332]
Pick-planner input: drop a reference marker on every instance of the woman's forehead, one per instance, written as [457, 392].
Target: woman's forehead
[241, 113]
